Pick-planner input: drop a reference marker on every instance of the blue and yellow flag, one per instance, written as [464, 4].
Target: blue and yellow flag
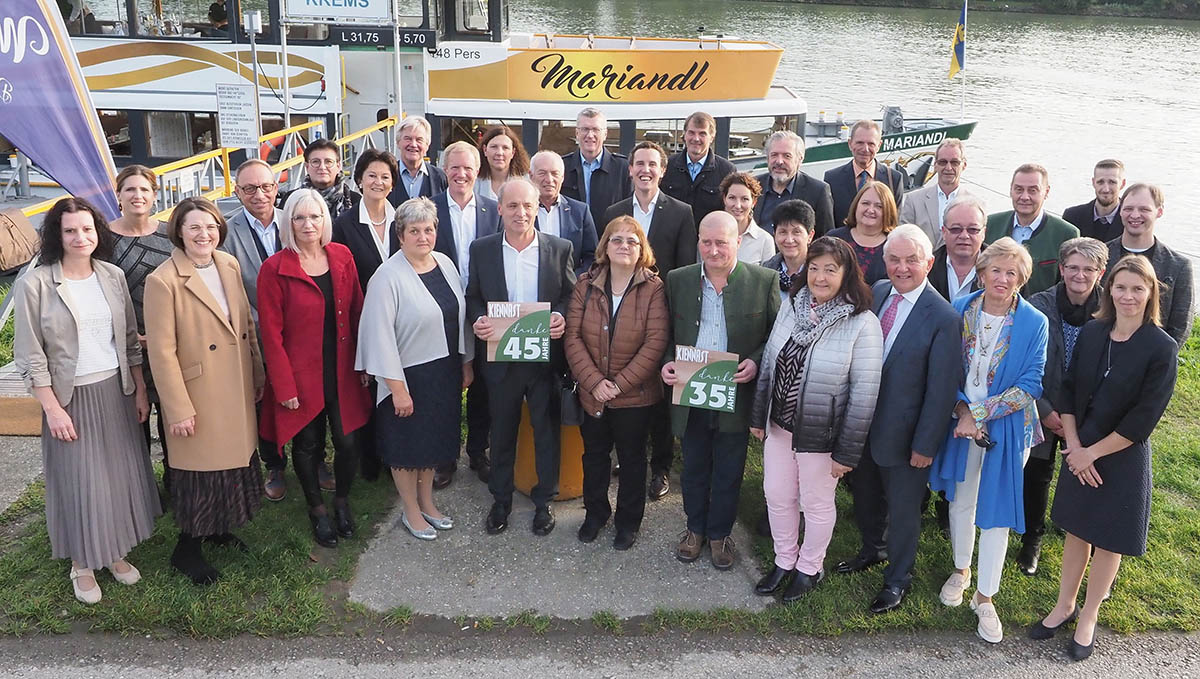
[958, 49]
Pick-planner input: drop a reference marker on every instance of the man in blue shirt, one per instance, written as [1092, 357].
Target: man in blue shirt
[694, 175]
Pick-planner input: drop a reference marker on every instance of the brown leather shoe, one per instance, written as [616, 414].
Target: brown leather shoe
[274, 488]
[325, 477]
[723, 553]
[690, 546]
[441, 479]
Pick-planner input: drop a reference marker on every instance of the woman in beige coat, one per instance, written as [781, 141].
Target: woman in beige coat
[204, 355]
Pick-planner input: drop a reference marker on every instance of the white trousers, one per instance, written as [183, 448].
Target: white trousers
[993, 542]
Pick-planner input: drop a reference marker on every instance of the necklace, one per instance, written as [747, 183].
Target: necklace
[203, 266]
[985, 342]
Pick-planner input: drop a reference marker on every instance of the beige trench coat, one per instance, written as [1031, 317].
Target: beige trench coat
[205, 364]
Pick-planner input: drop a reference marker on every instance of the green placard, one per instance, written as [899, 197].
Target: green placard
[705, 379]
[522, 332]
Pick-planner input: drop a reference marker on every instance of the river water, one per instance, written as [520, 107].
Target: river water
[1060, 91]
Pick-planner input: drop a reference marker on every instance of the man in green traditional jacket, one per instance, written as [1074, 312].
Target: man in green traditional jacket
[1028, 224]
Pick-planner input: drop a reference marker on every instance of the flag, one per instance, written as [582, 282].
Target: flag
[46, 109]
[958, 48]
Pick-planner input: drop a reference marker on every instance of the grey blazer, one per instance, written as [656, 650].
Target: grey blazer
[46, 343]
[918, 385]
[1174, 272]
[921, 208]
[239, 242]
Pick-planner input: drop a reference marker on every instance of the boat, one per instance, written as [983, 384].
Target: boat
[153, 74]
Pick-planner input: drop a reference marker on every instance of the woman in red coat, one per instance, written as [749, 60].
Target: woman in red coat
[309, 302]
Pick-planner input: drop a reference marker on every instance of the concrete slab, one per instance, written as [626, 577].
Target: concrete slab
[468, 572]
[21, 459]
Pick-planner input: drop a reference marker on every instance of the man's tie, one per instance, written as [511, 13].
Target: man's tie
[862, 179]
[889, 315]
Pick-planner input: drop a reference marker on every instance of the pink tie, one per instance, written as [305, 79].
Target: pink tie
[889, 315]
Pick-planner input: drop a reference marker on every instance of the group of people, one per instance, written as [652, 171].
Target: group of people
[907, 343]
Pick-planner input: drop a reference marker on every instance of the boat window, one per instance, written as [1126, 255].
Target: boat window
[472, 16]
[187, 18]
[411, 13]
[116, 129]
[95, 17]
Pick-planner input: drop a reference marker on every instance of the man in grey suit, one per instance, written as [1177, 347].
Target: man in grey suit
[521, 264]
[464, 217]
[253, 236]
[926, 206]
[559, 215]
[917, 391]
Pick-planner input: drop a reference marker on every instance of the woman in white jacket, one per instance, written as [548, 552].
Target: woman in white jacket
[812, 408]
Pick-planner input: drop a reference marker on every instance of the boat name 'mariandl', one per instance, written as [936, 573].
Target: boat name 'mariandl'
[911, 140]
[579, 83]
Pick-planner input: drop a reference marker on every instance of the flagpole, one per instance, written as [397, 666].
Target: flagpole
[962, 100]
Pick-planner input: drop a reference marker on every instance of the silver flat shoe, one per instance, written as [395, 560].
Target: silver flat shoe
[427, 534]
[444, 523]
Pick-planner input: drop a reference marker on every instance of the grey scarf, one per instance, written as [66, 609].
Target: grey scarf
[812, 320]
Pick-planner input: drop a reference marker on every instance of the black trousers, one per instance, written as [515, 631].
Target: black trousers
[625, 429]
[662, 442]
[479, 421]
[1038, 476]
[308, 451]
[870, 505]
[537, 386]
[905, 487]
[713, 465]
[162, 438]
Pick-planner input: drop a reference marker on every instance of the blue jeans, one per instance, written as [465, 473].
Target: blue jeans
[713, 465]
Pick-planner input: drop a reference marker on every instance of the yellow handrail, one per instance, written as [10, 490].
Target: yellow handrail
[386, 122]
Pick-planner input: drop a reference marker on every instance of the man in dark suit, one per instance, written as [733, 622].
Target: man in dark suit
[418, 177]
[1140, 210]
[559, 215]
[1027, 223]
[844, 181]
[521, 264]
[671, 231]
[724, 305]
[593, 174]
[464, 217]
[1100, 218]
[922, 365]
[694, 175]
[784, 181]
[953, 274]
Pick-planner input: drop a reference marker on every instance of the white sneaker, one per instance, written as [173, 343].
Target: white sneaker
[989, 629]
[952, 591]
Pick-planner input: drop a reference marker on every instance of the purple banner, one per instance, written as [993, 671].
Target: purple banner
[45, 107]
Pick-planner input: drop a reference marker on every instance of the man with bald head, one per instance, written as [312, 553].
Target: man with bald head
[720, 304]
[559, 215]
[521, 264]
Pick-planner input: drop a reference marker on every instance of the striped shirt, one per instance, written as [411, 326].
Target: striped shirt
[711, 334]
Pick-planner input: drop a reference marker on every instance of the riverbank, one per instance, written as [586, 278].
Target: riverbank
[1146, 9]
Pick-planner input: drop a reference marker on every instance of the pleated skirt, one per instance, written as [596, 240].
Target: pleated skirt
[101, 498]
[214, 503]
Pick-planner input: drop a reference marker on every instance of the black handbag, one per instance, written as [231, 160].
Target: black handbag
[570, 409]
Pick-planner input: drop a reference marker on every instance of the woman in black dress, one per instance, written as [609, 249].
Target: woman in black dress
[872, 217]
[411, 340]
[1119, 384]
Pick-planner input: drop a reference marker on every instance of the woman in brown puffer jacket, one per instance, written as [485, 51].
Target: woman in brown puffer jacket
[617, 329]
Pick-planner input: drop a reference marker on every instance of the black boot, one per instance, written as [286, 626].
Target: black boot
[323, 530]
[189, 560]
[1027, 558]
[343, 518]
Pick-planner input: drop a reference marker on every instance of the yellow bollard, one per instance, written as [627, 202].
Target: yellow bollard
[570, 472]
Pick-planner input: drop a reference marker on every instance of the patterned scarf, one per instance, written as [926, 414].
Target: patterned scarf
[338, 197]
[812, 319]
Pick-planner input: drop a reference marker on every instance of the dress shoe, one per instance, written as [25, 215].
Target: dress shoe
[802, 584]
[1077, 651]
[86, 596]
[275, 488]
[189, 560]
[690, 546]
[325, 477]
[482, 468]
[624, 540]
[441, 479]
[1027, 558]
[323, 530]
[888, 598]
[590, 530]
[343, 520]
[723, 553]
[129, 577]
[989, 628]
[659, 486]
[427, 534]
[1040, 632]
[763, 527]
[953, 588]
[444, 523]
[543, 521]
[497, 519]
[859, 563]
[771, 582]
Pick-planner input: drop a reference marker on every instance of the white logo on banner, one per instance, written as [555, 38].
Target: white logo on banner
[15, 38]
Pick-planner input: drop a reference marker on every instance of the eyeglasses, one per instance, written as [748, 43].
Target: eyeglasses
[300, 219]
[1071, 269]
[251, 189]
[323, 162]
[617, 241]
[957, 230]
[589, 130]
[952, 163]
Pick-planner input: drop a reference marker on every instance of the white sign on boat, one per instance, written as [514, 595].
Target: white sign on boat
[340, 10]
[237, 115]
